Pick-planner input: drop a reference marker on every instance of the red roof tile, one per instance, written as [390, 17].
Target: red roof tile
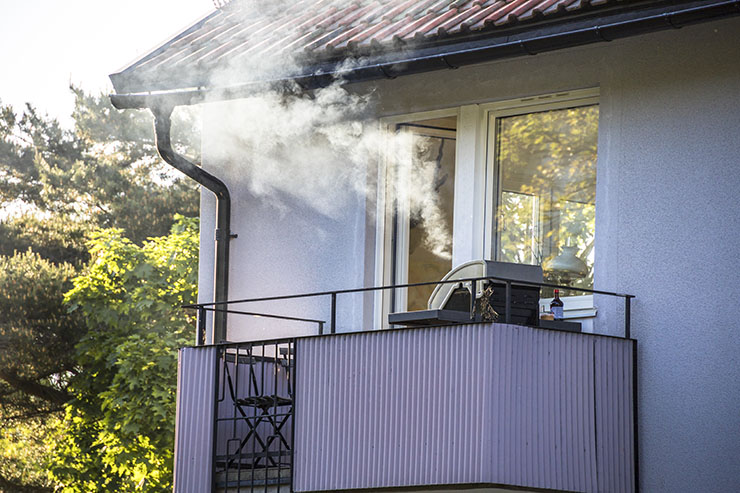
[331, 29]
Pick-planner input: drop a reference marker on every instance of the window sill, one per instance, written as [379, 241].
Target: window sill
[574, 306]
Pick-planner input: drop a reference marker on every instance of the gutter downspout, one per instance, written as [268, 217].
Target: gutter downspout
[162, 128]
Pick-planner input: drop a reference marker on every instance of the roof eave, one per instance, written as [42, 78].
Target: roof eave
[534, 39]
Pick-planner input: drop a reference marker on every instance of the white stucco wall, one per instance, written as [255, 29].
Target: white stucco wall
[284, 247]
[668, 228]
[672, 238]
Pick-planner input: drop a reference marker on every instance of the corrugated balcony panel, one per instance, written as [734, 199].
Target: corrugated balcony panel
[542, 393]
[384, 409]
[194, 419]
[614, 410]
[471, 404]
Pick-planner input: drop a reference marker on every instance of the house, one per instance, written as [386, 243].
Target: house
[596, 139]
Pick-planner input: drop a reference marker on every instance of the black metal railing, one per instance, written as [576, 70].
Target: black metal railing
[223, 307]
[253, 449]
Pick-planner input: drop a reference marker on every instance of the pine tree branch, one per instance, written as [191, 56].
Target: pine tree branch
[30, 415]
[35, 389]
[15, 487]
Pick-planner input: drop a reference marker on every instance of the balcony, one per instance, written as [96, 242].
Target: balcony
[470, 405]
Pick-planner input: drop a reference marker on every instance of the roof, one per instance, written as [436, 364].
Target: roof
[256, 38]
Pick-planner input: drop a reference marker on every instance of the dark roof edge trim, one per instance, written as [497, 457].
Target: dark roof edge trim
[447, 60]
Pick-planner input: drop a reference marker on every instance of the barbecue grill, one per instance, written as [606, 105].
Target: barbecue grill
[450, 302]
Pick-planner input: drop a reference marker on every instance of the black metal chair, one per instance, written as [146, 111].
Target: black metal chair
[266, 408]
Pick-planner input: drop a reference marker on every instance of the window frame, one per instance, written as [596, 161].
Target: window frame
[492, 111]
[581, 306]
[392, 235]
[475, 141]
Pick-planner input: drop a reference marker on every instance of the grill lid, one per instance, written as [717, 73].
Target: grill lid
[481, 268]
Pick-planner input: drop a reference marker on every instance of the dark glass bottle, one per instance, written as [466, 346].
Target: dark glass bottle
[556, 306]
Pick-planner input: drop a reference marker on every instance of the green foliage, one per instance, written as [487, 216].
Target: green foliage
[120, 426]
[104, 172]
[37, 334]
[56, 239]
[57, 185]
[37, 339]
[24, 454]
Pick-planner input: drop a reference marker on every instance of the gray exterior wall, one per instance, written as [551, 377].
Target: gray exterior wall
[668, 227]
[473, 404]
[284, 249]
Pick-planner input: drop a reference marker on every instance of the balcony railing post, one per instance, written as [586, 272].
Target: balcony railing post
[507, 306]
[334, 313]
[200, 337]
[627, 317]
[473, 289]
[321, 327]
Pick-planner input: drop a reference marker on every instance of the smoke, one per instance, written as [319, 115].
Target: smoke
[321, 148]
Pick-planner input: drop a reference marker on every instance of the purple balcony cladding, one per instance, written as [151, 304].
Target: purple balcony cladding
[196, 383]
[486, 404]
[473, 404]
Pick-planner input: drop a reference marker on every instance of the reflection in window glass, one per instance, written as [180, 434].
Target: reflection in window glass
[547, 183]
[430, 195]
[520, 211]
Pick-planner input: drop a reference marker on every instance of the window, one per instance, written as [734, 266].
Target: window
[424, 206]
[545, 168]
[513, 181]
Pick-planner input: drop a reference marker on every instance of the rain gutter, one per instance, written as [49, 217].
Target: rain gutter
[162, 132]
[450, 58]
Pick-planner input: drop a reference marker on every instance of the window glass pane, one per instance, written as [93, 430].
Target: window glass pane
[547, 189]
[519, 244]
[430, 195]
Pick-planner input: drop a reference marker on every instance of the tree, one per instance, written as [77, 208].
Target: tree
[105, 172]
[37, 340]
[54, 239]
[37, 335]
[57, 186]
[25, 448]
[119, 429]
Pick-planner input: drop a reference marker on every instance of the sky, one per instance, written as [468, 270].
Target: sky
[46, 44]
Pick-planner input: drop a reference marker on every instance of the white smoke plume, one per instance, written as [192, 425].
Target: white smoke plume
[321, 148]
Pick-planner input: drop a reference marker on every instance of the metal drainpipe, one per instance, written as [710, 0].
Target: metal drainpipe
[162, 127]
